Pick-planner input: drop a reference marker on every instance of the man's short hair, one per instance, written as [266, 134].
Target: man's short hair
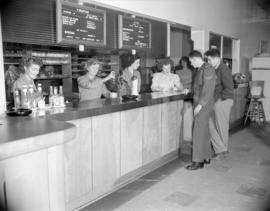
[212, 53]
[195, 53]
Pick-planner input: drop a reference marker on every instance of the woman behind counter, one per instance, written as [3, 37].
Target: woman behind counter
[131, 64]
[184, 72]
[166, 81]
[91, 86]
[31, 66]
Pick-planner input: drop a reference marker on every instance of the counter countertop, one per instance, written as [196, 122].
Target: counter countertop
[46, 128]
[97, 107]
[21, 135]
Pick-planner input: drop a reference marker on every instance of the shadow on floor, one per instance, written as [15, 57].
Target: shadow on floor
[262, 132]
[133, 189]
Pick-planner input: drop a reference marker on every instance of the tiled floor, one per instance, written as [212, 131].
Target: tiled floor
[241, 182]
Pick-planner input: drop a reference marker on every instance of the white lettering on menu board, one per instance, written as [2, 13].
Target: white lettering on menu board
[136, 33]
[82, 24]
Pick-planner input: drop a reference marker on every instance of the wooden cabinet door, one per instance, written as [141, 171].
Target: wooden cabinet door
[26, 182]
[106, 151]
[152, 143]
[131, 140]
[170, 127]
[2, 188]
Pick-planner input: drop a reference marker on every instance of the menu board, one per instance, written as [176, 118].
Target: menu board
[134, 33]
[78, 24]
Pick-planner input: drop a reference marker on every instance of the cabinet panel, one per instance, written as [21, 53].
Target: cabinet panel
[78, 161]
[152, 144]
[26, 178]
[2, 187]
[56, 178]
[106, 151]
[169, 127]
[179, 122]
[131, 140]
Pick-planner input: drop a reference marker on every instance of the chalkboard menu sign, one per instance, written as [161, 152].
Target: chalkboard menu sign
[78, 24]
[134, 33]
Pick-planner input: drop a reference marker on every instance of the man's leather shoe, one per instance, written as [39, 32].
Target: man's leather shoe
[195, 166]
[207, 161]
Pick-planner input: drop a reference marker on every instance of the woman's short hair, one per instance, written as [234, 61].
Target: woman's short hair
[29, 60]
[94, 60]
[128, 59]
[184, 59]
[165, 61]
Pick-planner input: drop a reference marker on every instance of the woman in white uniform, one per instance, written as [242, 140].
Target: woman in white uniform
[166, 81]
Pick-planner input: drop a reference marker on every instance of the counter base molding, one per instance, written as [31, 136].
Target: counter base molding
[112, 150]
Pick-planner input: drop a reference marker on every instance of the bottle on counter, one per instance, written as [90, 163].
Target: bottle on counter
[51, 96]
[17, 98]
[24, 97]
[40, 99]
[55, 99]
[31, 97]
[39, 91]
[134, 85]
[61, 96]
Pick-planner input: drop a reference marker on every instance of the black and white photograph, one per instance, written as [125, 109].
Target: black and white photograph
[134, 105]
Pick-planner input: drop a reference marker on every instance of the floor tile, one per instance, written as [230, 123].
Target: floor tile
[252, 191]
[219, 167]
[265, 163]
[180, 198]
[241, 149]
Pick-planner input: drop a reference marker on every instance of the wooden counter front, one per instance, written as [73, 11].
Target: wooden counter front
[65, 167]
[113, 149]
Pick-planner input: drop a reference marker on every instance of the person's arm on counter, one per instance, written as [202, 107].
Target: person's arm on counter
[155, 86]
[177, 83]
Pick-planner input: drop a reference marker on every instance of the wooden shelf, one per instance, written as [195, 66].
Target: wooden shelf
[11, 62]
[77, 71]
[53, 77]
[14, 55]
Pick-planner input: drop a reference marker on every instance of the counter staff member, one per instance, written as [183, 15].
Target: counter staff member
[219, 121]
[184, 72]
[204, 85]
[31, 67]
[91, 86]
[131, 64]
[166, 81]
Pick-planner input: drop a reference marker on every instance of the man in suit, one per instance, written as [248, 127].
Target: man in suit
[219, 121]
